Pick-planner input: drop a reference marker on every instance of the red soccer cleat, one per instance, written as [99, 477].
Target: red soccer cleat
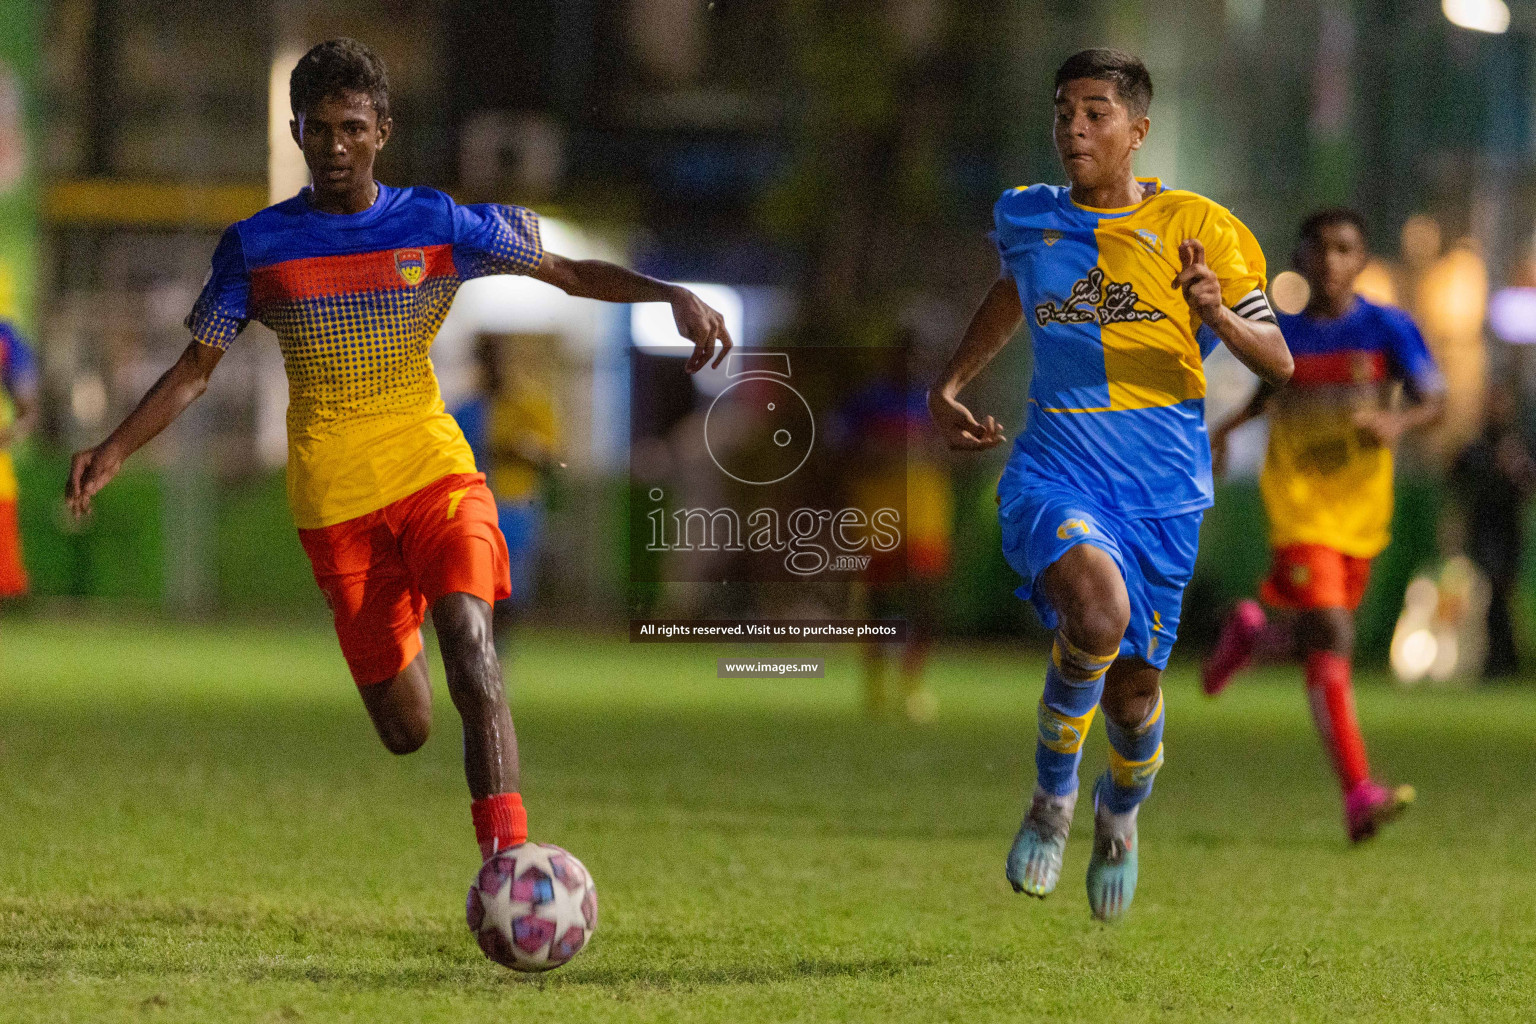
[1371, 805]
[1234, 651]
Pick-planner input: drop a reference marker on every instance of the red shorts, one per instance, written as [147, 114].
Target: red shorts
[13, 573]
[381, 572]
[1307, 577]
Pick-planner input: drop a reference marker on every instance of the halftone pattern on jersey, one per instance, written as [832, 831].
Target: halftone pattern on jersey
[356, 300]
[361, 353]
[515, 249]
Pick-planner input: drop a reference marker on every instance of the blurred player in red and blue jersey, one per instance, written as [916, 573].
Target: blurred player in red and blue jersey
[1127, 285]
[355, 277]
[18, 414]
[894, 463]
[1327, 488]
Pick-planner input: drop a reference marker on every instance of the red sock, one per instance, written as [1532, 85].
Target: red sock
[500, 822]
[1333, 709]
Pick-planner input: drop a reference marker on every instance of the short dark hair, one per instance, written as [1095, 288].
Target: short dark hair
[338, 66]
[1332, 216]
[1129, 75]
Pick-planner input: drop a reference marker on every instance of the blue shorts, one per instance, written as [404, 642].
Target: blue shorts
[1156, 558]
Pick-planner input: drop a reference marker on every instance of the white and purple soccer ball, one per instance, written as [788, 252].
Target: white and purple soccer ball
[532, 907]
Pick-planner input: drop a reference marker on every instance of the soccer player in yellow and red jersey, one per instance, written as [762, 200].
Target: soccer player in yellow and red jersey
[1127, 285]
[1327, 488]
[18, 384]
[355, 277]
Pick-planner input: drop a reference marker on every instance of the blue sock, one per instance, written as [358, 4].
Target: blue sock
[1135, 755]
[1066, 712]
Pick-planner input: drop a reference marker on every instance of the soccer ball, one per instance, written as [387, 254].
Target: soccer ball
[532, 907]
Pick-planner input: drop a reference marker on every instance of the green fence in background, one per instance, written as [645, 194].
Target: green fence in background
[257, 566]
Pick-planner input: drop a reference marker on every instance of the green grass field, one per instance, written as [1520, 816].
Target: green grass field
[197, 824]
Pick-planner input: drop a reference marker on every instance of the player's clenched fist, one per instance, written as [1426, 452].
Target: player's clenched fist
[1201, 287]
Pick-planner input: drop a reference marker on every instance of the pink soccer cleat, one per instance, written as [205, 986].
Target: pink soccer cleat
[1234, 651]
[1371, 805]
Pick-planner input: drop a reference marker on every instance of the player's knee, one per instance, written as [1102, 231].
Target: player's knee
[405, 734]
[1130, 700]
[1090, 597]
[1097, 620]
[1328, 629]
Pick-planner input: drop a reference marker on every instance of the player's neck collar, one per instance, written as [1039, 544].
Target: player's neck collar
[1149, 187]
[308, 193]
[1350, 308]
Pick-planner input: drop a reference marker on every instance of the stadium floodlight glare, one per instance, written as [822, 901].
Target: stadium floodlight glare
[1477, 15]
[653, 330]
[1512, 315]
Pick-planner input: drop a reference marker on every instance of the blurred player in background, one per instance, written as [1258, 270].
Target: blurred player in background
[1496, 477]
[18, 415]
[510, 425]
[1127, 285]
[895, 467]
[1327, 488]
[355, 277]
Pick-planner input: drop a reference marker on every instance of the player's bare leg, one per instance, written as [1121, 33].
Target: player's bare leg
[401, 707]
[872, 662]
[1093, 609]
[467, 637]
[464, 630]
[917, 699]
[1327, 637]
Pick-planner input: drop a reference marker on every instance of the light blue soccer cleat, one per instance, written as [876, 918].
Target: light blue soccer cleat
[1034, 862]
[1112, 868]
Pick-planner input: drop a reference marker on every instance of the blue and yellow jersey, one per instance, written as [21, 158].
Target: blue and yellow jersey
[1325, 481]
[355, 301]
[18, 372]
[1117, 397]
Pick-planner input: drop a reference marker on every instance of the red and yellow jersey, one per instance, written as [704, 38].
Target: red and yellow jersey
[355, 301]
[18, 372]
[1325, 481]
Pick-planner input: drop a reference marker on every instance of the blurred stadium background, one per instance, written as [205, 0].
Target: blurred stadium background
[832, 164]
[829, 170]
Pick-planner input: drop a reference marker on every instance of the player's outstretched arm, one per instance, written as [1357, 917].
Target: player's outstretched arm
[177, 388]
[608, 282]
[995, 320]
[1258, 344]
[1251, 410]
[1388, 425]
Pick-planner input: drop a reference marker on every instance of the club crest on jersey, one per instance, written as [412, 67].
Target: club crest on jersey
[1095, 300]
[1050, 236]
[411, 265]
[1150, 240]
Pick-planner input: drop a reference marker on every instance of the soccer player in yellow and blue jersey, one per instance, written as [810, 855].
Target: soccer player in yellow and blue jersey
[1126, 286]
[511, 426]
[354, 277]
[1327, 488]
